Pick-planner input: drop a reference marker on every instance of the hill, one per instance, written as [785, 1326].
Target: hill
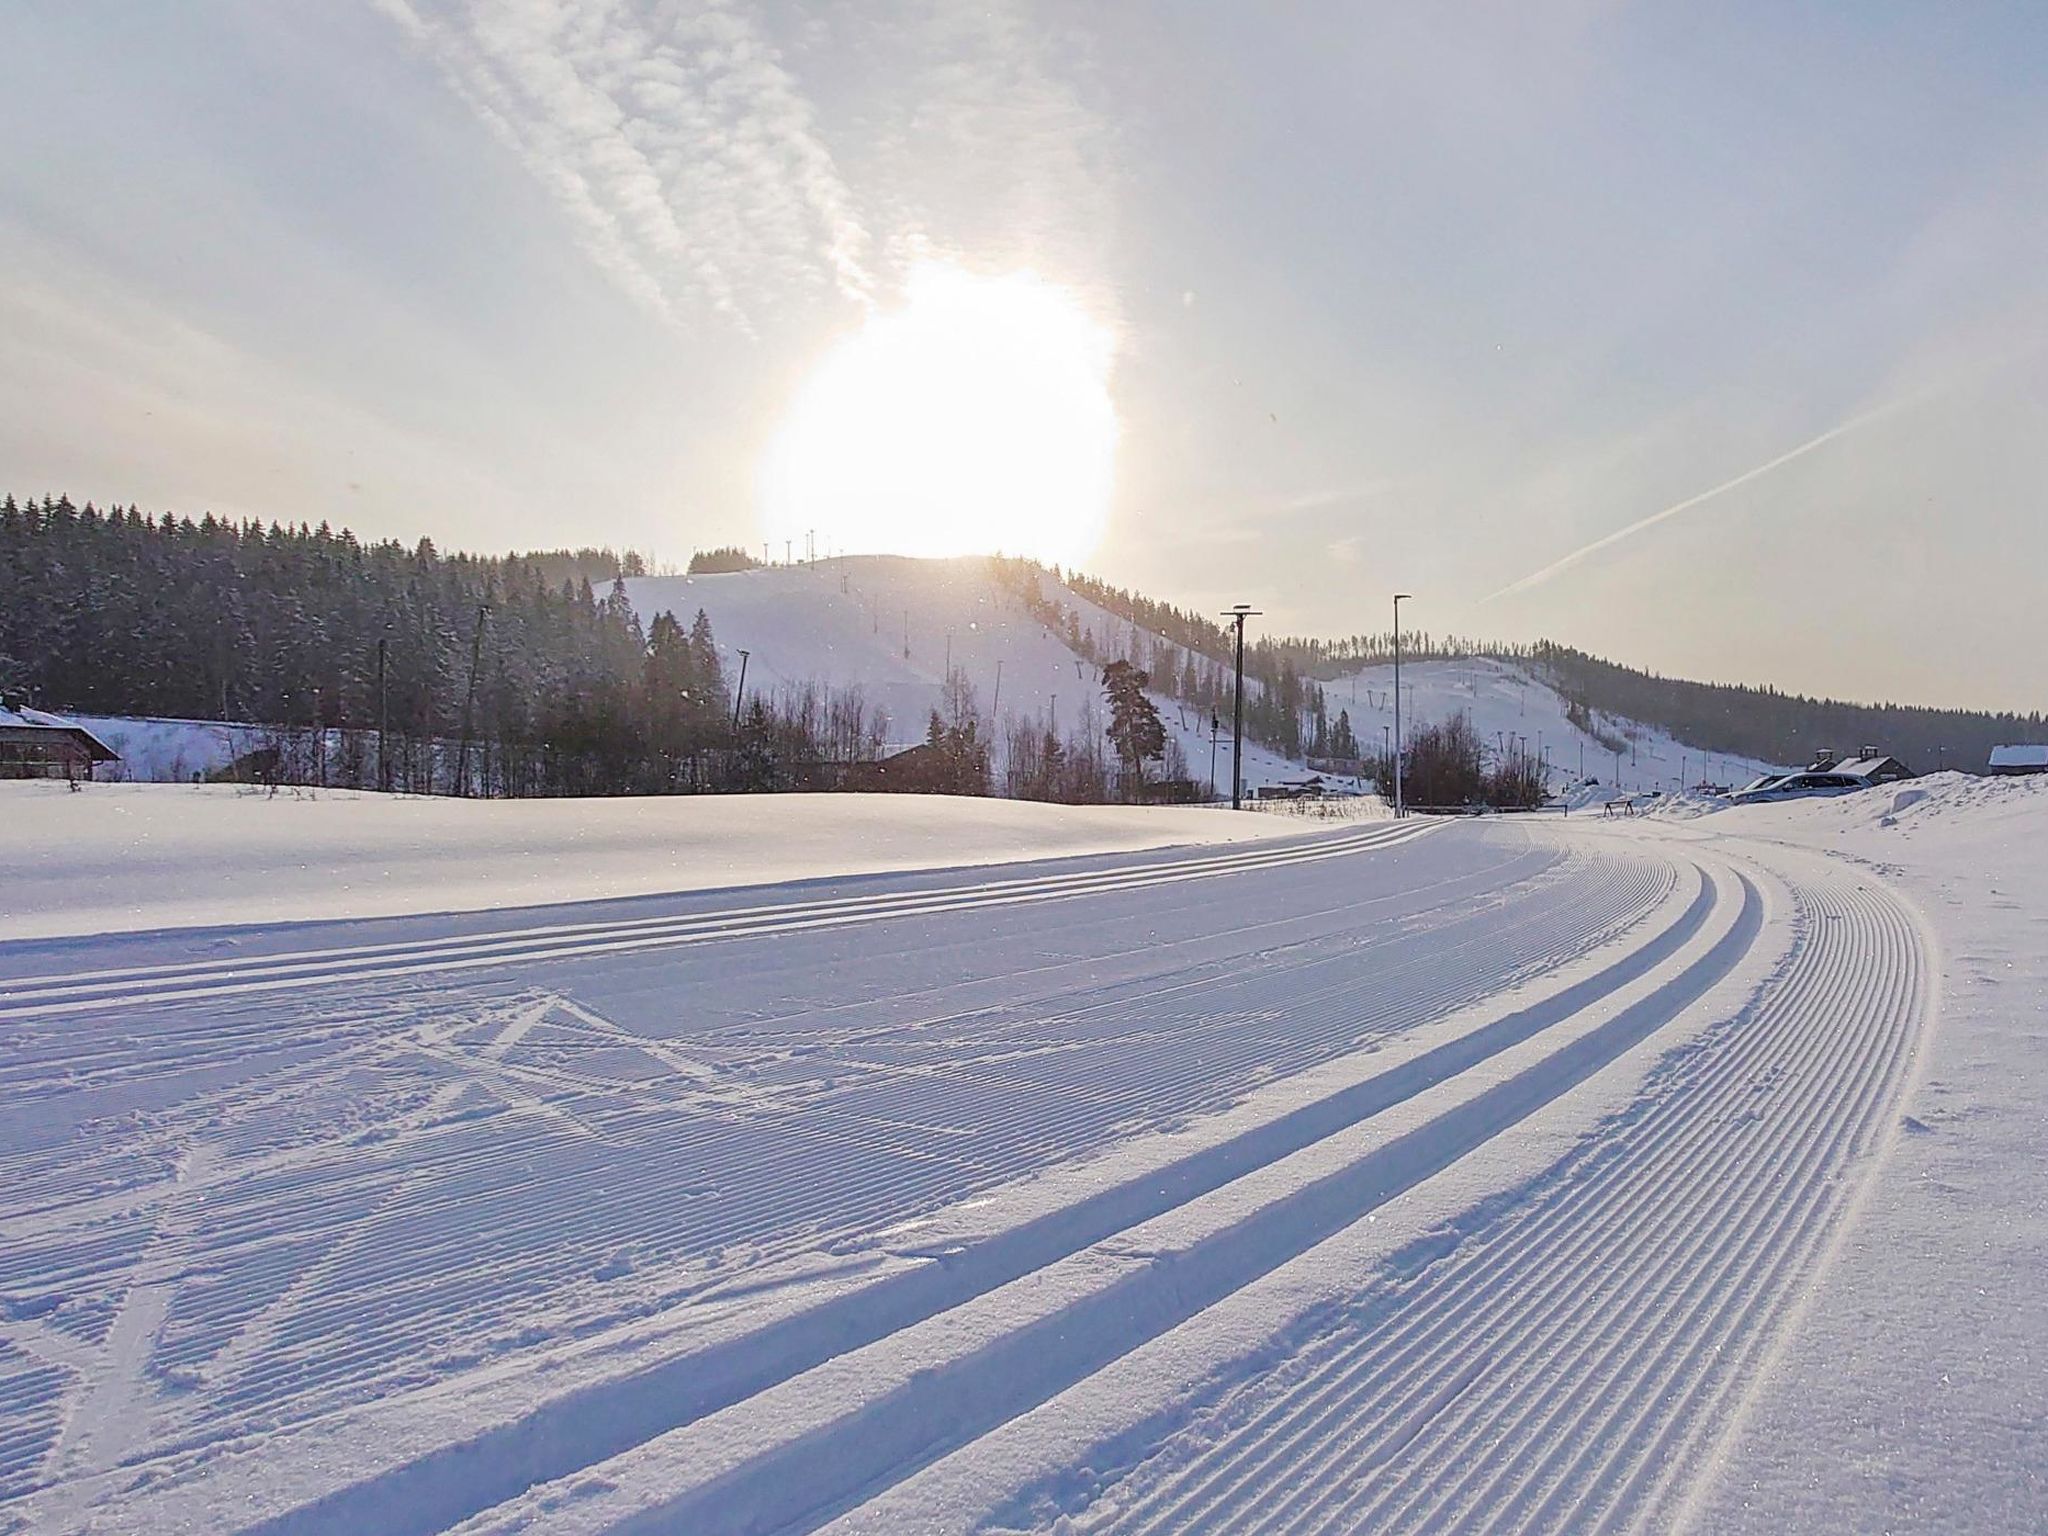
[564, 688]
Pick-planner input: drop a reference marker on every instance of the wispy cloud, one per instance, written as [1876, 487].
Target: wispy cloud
[690, 149]
[683, 147]
[1641, 525]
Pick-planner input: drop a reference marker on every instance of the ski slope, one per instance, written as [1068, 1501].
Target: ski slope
[892, 626]
[1495, 1175]
[1513, 710]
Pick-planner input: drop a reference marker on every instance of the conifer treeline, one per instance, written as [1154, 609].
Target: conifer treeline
[501, 675]
[1781, 727]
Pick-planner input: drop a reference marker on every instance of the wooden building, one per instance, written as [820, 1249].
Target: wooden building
[35, 745]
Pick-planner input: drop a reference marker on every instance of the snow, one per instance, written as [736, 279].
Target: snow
[1512, 708]
[892, 625]
[1913, 1395]
[1676, 1172]
[158, 750]
[129, 857]
[2021, 756]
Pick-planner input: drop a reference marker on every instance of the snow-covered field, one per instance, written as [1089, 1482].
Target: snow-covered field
[124, 857]
[1518, 1174]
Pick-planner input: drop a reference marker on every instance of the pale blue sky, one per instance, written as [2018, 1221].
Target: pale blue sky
[1428, 296]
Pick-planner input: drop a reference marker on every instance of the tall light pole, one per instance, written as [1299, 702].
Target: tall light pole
[739, 694]
[1237, 616]
[1399, 804]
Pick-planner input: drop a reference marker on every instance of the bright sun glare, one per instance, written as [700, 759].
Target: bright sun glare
[976, 418]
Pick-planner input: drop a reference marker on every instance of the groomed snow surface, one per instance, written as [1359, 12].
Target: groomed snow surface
[1516, 1174]
[126, 857]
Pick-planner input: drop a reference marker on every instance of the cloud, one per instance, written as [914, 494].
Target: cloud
[687, 142]
[682, 147]
[1559, 566]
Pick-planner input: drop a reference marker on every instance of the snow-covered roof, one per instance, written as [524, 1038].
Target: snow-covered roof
[24, 718]
[1863, 767]
[2021, 755]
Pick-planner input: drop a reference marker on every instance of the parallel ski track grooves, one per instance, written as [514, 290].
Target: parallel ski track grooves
[528, 1223]
[774, 1204]
[580, 1429]
[799, 1486]
[63, 1058]
[1560, 1369]
[42, 995]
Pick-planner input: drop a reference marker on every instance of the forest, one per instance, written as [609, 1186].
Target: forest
[395, 666]
[382, 663]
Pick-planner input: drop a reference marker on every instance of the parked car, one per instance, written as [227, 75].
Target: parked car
[1796, 786]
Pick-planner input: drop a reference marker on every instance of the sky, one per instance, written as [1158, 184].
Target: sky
[1711, 339]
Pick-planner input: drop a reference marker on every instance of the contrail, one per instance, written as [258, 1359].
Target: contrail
[1537, 578]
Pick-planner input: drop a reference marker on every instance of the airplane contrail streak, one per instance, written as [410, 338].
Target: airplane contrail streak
[1559, 566]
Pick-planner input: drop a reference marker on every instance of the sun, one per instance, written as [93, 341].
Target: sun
[974, 419]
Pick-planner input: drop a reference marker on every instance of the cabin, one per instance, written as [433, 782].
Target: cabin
[920, 770]
[2022, 757]
[1869, 765]
[35, 745]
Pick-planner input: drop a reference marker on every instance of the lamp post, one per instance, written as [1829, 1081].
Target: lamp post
[1399, 800]
[739, 694]
[1237, 616]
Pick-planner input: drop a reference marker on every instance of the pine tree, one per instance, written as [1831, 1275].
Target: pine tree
[1135, 729]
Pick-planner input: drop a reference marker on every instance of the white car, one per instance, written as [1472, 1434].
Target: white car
[1796, 786]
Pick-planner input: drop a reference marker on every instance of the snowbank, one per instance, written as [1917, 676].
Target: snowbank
[129, 857]
[1912, 1396]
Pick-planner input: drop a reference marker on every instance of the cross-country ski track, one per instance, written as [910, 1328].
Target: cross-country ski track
[1409, 1176]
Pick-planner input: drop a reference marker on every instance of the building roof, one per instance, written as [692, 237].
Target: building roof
[23, 722]
[2020, 755]
[1864, 767]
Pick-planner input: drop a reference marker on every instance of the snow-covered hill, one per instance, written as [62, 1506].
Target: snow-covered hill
[1513, 709]
[895, 627]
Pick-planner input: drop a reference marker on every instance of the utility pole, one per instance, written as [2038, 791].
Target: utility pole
[995, 704]
[383, 718]
[739, 693]
[1400, 804]
[1237, 616]
[476, 656]
[1215, 730]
